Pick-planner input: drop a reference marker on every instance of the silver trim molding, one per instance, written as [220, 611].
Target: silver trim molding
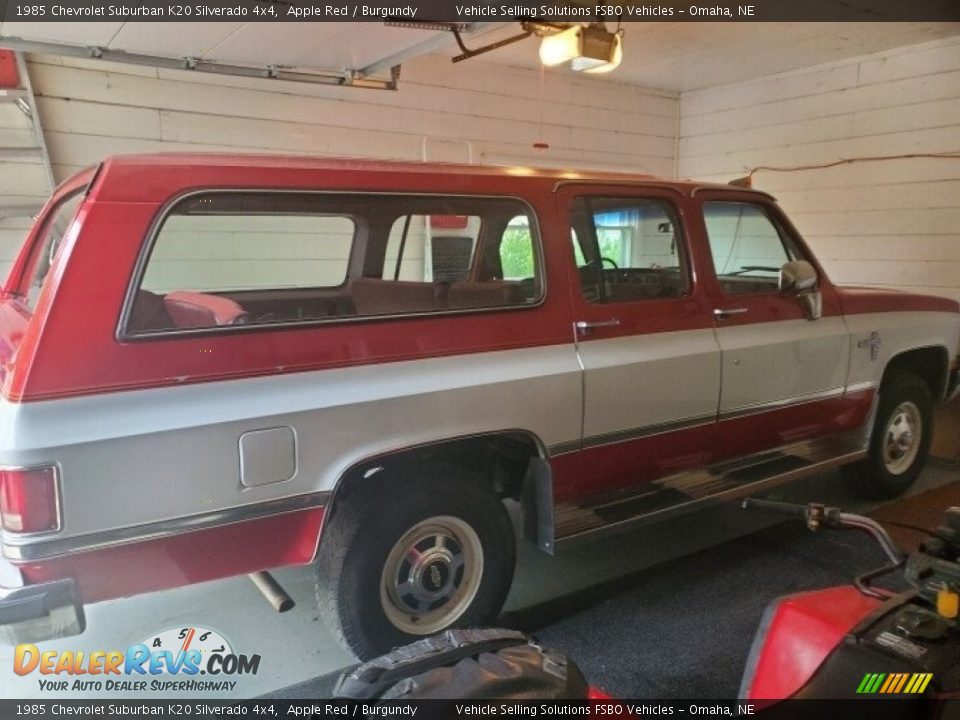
[782, 403]
[698, 421]
[648, 430]
[17, 548]
[861, 387]
[564, 448]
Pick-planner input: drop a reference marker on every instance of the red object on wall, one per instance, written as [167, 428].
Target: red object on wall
[449, 222]
[9, 77]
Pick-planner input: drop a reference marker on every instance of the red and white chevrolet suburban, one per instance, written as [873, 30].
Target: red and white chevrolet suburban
[214, 365]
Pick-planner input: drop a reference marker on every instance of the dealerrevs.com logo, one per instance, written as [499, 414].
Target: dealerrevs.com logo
[169, 661]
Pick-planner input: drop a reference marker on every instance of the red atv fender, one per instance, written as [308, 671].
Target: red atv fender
[796, 635]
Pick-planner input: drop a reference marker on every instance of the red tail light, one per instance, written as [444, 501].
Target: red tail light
[29, 499]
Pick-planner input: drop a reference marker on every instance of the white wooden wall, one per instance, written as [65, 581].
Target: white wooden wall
[23, 182]
[893, 223]
[443, 112]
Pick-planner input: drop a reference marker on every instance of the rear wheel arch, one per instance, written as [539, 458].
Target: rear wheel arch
[498, 460]
[399, 521]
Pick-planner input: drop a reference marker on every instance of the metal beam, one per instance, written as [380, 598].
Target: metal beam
[432, 43]
[343, 78]
[31, 106]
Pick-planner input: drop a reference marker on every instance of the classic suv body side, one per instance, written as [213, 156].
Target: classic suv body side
[192, 453]
[143, 465]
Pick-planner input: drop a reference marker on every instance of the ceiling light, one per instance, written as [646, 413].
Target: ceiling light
[591, 48]
[561, 47]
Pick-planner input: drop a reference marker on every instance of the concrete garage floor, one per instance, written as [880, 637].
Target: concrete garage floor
[689, 620]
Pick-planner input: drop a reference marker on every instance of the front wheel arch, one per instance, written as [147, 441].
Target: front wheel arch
[929, 363]
[899, 439]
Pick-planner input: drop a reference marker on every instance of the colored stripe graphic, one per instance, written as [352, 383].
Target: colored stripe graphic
[891, 679]
[894, 683]
[875, 685]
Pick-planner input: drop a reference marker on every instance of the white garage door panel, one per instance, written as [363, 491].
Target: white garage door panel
[315, 44]
[85, 150]
[422, 111]
[173, 39]
[281, 43]
[97, 118]
[187, 129]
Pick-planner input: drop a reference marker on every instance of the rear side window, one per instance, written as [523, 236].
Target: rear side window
[57, 223]
[222, 253]
[239, 258]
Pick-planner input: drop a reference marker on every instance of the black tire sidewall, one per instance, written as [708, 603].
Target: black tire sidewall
[899, 388]
[351, 582]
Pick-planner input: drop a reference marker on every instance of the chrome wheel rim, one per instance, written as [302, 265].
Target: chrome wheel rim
[901, 440]
[431, 575]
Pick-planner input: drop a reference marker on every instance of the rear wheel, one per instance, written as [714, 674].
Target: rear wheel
[410, 557]
[900, 441]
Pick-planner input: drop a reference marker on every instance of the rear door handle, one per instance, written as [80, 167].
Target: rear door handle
[585, 326]
[721, 313]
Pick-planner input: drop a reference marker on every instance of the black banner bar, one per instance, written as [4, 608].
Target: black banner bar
[874, 708]
[465, 11]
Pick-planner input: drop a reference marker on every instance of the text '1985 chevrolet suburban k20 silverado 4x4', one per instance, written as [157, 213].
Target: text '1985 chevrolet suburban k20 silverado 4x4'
[215, 365]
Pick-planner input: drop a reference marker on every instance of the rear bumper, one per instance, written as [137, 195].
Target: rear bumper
[31, 613]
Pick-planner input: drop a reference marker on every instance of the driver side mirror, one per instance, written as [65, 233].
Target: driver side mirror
[797, 276]
[800, 278]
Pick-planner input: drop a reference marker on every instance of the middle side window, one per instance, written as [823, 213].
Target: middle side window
[628, 249]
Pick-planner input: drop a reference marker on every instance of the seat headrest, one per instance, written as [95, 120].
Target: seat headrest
[198, 310]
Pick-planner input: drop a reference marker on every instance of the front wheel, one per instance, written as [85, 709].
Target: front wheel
[410, 557]
[900, 441]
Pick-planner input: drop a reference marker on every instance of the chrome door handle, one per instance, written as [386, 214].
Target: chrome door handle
[722, 313]
[586, 326]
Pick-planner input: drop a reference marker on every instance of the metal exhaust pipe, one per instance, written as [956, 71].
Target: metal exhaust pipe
[272, 591]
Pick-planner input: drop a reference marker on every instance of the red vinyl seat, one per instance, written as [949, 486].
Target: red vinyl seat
[199, 310]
